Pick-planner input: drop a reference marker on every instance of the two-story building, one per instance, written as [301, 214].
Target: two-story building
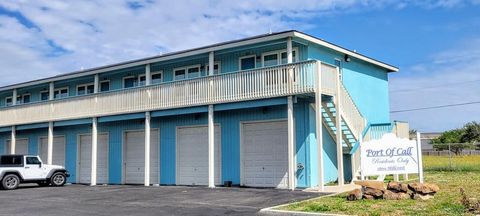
[277, 110]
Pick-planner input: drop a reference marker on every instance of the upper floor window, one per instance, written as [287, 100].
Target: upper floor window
[248, 62]
[85, 89]
[278, 57]
[60, 93]
[157, 77]
[8, 101]
[44, 95]
[22, 99]
[129, 82]
[187, 72]
[142, 80]
[105, 85]
[180, 74]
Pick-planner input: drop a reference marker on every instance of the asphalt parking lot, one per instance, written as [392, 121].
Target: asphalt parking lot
[139, 200]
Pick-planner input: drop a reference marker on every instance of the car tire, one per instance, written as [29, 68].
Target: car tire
[10, 182]
[58, 179]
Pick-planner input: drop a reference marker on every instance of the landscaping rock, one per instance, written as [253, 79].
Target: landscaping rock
[355, 195]
[421, 197]
[371, 184]
[376, 193]
[423, 189]
[368, 197]
[397, 187]
[390, 195]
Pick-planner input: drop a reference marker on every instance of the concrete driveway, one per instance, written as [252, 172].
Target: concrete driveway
[139, 200]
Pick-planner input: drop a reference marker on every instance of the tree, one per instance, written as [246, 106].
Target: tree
[471, 133]
[458, 139]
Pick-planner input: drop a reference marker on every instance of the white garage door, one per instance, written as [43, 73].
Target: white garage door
[265, 154]
[192, 155]
[134, 160]
[85, 159]
[58, 150]
[21, 146]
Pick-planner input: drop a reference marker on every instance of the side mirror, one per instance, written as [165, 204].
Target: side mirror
[40, 165]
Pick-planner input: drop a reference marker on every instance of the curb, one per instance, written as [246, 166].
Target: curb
[273, 211]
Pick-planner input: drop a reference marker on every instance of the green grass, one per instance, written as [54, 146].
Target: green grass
[446, 201]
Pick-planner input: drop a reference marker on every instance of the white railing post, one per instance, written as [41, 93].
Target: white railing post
[147, 148]
[291, 144]
[50, 143]
[338, 125]
[318, 125]
[211, 148]
[93, 175]
[13, 140]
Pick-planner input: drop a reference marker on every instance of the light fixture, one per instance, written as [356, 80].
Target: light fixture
[347, 58]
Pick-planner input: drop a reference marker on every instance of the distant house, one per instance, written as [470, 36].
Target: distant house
[426, 140]
[280, 110]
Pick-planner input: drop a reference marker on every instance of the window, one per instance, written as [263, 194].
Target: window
[21, 99]
[60, 93]
[157, 77]
[278, 57]
[33, 160]
[85, 89]
[44, 95]
[8, 101]
[193, 72]
[270, 60]
[142, 80]
[180, 74]
[248, 62]
[105, 86]
[129, 82]
[11, 160]
[187, 72]
[216, 68]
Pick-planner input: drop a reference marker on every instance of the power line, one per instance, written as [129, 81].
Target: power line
[436, 107]
[435, 86]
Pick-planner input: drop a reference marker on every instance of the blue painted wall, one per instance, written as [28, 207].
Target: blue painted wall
[366, 83]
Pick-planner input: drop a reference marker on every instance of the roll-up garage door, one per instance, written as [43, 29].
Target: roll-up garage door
[192, 155]
[265, 154]
[85, 159]
[58, 150]
[21, 146]
[134, 160]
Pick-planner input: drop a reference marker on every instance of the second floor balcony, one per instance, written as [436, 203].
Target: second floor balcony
[261, 83]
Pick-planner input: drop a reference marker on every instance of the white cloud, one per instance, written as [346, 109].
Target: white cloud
[451, 78]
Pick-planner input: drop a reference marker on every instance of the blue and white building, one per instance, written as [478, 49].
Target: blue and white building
[282, 110]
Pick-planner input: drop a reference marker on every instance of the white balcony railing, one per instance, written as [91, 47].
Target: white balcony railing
[277, 81]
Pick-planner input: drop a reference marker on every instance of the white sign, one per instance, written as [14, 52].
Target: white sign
[390, 155]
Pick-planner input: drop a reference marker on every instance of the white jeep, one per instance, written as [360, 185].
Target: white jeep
[16, 169]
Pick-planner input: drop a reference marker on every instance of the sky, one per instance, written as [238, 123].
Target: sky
[435, 43]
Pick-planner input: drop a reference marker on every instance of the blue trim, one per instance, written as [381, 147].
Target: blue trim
[122, 117]
[72, 122]
[32, 126]
[180, 111]
[5, 129]
[250, 104]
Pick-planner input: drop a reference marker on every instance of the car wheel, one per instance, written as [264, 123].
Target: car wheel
[58, 179]
[10, 182]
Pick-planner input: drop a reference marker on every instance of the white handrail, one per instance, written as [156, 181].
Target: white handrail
[232, 87]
